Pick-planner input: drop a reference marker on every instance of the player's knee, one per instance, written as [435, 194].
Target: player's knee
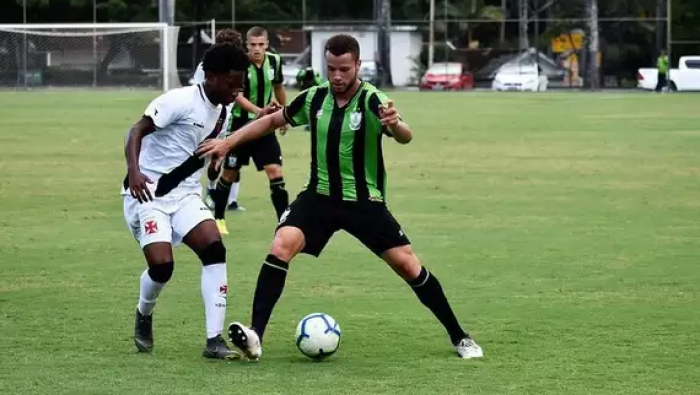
[287, 243]
[212, 254]
[404, 262]
[273, 171]
[229, 175]
[161, 272]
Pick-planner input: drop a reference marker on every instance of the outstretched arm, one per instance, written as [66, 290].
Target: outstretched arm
[217, 149]
[246, 105]
[257, 129]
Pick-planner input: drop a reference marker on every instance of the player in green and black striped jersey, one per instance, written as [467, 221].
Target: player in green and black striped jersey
[346, 190]
[263, 82]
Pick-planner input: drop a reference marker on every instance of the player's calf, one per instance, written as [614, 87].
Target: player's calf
[153, 281]
[429, 291]
[214, 284]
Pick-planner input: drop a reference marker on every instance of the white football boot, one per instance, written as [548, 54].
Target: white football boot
[468, 349]
[246, 340]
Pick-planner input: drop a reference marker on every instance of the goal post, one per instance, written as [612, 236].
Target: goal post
[89, 55]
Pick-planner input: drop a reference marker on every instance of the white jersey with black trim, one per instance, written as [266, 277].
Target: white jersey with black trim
[183, 117]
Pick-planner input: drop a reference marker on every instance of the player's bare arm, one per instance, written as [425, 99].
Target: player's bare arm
[281, 97]
[397, 128]
[280, 94]
[246, 105]
[252, 131]
[137, 180]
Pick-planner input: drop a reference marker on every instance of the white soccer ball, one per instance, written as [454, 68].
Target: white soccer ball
[318, 336]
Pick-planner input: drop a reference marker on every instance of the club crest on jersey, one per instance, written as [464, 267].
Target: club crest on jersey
[319, 114]
[151, 227]
[355, 120]
[271, 74]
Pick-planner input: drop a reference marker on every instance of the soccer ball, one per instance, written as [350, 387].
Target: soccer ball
[318, 336]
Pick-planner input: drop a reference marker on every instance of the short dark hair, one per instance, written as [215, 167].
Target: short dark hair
[340, 44]
[229, 35]
[256, 31]
[225, 57]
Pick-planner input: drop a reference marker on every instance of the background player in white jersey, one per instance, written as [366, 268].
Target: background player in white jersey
[162, 191]
[233, 37]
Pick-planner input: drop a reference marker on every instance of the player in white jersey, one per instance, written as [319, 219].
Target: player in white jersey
[163, 206]
[233, 37]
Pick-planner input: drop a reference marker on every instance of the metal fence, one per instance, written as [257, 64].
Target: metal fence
[558, 46]
[626, 44]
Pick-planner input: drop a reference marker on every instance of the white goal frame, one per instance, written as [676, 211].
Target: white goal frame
[168, 60]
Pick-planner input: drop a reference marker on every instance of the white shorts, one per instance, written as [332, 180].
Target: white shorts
[165, 220]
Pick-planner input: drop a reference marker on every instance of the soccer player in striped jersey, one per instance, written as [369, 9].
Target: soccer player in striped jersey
[346, 190]
[263, 81]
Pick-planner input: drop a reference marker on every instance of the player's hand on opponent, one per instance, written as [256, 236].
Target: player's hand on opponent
[215, 149]
[388, 114]
[139, 188]
[269, 109]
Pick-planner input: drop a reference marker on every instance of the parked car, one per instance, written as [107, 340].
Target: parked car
[520, 77]
[447, 76]
[684, 78]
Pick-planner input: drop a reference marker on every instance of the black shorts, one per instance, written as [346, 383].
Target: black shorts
[264, 151]
[319, 218]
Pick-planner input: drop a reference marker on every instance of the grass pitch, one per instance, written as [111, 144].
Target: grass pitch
[564, 228]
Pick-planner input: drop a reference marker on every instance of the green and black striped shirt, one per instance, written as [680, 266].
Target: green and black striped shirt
[260, 83]
[346, 142]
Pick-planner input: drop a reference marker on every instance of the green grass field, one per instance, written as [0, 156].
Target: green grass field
[564, 227]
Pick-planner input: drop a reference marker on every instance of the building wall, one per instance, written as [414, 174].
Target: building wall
[405, 46]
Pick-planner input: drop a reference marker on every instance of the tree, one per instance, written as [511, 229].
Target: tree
[593, 44]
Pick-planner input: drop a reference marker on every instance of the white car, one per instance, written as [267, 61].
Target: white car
[518, 77]
[685, 78]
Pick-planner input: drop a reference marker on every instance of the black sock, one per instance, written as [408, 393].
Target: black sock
[273, 274]
[429, 292]
[220, 197]
[279, 196]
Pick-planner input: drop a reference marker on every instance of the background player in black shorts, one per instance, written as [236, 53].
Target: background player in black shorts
[264, 79]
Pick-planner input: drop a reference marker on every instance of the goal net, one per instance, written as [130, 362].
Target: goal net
[103, 55]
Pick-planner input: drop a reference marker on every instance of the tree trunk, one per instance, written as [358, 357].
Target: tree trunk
[660, 25]
[524, 41]
[593, 44]
[385, 42]
[504, 11]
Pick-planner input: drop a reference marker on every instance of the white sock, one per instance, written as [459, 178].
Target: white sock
[149, 292]
[214, 290]
[233, 196]
[211, 184]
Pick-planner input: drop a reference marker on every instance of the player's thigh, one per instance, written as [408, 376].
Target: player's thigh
[150, 224]
[192, 212]
[267, 152]
[375, 227]
[314, 218]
